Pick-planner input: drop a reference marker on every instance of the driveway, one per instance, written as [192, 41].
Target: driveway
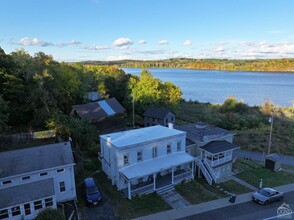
[104, 211]
[286, 160]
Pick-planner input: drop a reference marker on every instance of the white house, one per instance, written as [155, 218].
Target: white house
[35, 178]
[212, 148]
[146, 160]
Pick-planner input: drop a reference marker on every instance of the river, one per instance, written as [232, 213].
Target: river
[215, 86]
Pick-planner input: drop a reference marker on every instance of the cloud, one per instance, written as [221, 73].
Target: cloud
[219, 50]
[148, 52]
[162, 42]
[32, 42]
[72, 42]
[187, 43]
[222, 43]
[97, 47]
[114, 58]
[122, 42]
[142, 42]
[36, 42]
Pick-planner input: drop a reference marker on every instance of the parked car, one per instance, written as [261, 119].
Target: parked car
[92, 193]
[267, 195]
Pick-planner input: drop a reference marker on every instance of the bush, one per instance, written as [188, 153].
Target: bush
[49, 214]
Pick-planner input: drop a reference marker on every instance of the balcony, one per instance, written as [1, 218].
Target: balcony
[218, 161]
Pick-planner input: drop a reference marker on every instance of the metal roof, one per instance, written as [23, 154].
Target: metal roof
[155, 165]
[32, 159]
[141, 135]
[26, 193]
[99, 109]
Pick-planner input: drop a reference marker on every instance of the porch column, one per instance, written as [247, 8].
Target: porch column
[173, 175]
[154, 182]
[193, 169]
[218, 159]
[129, 190]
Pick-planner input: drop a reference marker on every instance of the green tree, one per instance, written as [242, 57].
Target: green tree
[3, 114]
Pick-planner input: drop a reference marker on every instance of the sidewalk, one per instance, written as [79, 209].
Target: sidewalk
[207, 206]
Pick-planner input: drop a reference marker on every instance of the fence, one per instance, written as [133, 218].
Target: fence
[24, 137]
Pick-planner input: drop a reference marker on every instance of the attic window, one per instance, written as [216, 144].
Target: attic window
[25, 177]
[60, 170]
[43, 174]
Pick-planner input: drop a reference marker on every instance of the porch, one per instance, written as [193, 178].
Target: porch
[159, 182]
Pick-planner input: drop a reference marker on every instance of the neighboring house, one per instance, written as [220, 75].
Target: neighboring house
[106, 114]
[213, 149]
[158, 116]
[33, 179]
[145, 160]
[93, 96]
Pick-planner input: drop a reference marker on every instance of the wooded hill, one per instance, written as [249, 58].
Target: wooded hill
[272, 65]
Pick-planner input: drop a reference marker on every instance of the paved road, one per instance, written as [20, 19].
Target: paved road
[245, 211]
[286, 160]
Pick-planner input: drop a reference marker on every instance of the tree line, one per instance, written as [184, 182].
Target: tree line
[37, 91]
[275, 65]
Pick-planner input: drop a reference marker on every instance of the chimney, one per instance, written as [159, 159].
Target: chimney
[170, 125]
[108, 139]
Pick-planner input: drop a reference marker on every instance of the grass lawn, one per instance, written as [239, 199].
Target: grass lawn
[124, 208]
[253, 172]
[194, 193]
[234, 187]
[288, 167]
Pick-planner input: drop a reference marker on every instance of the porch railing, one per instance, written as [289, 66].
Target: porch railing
[219, 161]
[204, 171]
[211, 171]
[143, 189]
[183, 176]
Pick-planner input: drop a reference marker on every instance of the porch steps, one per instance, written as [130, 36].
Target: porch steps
[165, 189]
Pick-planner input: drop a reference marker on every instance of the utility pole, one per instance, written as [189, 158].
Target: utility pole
[133, 110]
[271, 120]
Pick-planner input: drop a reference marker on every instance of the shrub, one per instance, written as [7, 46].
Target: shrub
[49, 214]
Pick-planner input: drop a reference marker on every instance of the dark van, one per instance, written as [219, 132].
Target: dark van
[92, 193]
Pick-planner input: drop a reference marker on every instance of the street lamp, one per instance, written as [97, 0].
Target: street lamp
[271, 120]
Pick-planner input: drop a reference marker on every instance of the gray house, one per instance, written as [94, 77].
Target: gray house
[35, 178]
[213, 149]
[158, 116]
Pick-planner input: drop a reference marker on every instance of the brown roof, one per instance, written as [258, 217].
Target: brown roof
[99, 109]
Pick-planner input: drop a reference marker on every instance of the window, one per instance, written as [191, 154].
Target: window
[179, 147]
[172, 118]
[140, 180]
[168, 149]
[139, 156]
[15, 210]
[38, 204]
[48, 202]
[126, 159]
[27, 209]
[4, 214]
[154, 152]
[6, 182]
[44, 174]
[62, 186]
[60, 170]
[25, 177]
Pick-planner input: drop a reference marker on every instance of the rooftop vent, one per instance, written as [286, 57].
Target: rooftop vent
[170, 125]
[108, 139]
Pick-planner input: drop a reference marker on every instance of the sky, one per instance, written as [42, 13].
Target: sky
[79, 30]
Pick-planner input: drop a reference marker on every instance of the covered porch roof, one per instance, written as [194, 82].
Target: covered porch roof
[156, 165]
[215, 147]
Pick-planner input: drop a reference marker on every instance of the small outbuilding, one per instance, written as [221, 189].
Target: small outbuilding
[272, 162]
[158, 116]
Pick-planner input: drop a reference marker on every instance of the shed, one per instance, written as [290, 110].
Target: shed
[272, 162]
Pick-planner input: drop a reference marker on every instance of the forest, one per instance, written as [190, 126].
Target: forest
[259, 65]
[37, 93]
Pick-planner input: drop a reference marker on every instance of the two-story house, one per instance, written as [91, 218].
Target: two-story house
[146, 160]
[33, 179]
[158, 116]
[213, 149]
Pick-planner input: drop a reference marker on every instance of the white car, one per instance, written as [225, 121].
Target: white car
[267, 195]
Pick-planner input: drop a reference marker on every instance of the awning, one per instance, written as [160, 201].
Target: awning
[155, 165]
